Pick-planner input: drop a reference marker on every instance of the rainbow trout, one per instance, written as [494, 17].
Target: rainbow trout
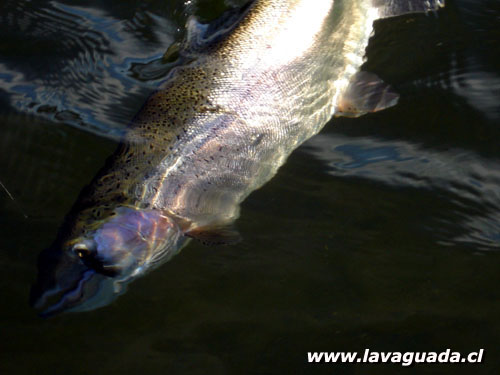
[250, 88]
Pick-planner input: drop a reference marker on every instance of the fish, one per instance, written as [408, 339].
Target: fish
[247, 90]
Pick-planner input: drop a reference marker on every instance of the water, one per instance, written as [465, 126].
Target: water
[382, 232]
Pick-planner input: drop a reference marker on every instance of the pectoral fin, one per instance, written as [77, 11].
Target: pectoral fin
[365, 93]
[215, 235]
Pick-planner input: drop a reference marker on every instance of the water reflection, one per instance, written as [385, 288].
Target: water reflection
[469, 78]
[467, 181]
[77, 62]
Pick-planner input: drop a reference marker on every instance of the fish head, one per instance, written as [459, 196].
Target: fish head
[127, 242]
[90, 267]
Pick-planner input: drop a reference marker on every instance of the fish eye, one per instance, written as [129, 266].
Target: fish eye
[89, 258]
[82, 250]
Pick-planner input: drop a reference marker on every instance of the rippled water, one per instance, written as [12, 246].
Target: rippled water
[382, 232]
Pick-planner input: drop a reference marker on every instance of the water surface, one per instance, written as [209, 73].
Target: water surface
[382, 232]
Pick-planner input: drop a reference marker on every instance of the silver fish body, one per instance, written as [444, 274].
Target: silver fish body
[219, 127]
[272, 84]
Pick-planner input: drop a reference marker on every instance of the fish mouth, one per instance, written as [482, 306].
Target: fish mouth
[71, 286]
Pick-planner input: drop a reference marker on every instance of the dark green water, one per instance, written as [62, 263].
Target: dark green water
[382, 232]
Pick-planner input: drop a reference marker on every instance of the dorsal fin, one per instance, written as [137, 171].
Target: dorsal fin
[201, 35]
[391, 8]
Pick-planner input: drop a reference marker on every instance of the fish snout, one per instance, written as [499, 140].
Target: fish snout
[66, 283]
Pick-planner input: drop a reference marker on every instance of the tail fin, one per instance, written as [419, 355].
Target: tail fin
[391, 8]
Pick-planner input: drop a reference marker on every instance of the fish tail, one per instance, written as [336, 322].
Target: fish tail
[391, 8]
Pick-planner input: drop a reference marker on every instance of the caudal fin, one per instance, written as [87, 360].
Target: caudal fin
[391, 8]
